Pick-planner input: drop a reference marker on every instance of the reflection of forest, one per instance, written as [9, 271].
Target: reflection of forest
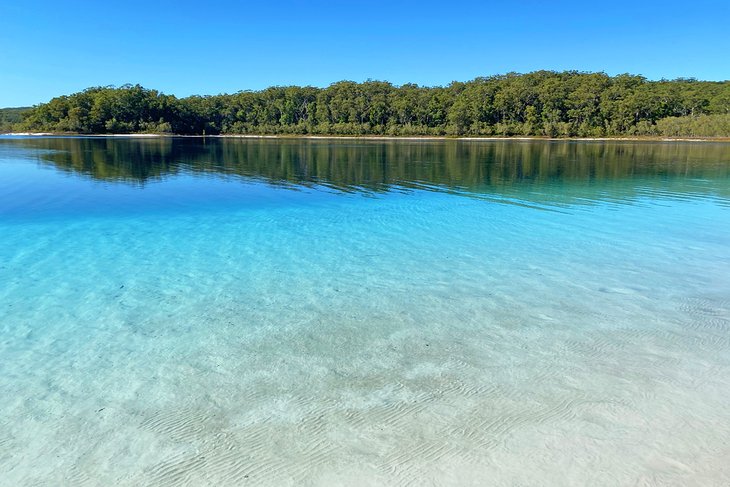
[482, 167]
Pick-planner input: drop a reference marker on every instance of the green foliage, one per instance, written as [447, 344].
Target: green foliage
[11, 116]
[699, 126]
[541, 103]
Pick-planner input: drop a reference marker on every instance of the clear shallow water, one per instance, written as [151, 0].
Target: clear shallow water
[224, 312]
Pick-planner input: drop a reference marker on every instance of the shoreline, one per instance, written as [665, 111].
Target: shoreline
[385, 137]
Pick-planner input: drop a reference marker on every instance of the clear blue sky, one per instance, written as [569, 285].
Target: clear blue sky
[48, 48]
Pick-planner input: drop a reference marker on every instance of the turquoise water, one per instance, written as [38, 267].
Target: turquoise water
[232, 312]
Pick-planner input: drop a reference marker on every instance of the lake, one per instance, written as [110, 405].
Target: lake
[205, 311]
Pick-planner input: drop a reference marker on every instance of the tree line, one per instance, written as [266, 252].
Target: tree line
[541, 103]
[9, 117]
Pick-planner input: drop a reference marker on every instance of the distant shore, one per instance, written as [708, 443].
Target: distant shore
[386, 137]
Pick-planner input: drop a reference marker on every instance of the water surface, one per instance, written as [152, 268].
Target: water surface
[341, 312]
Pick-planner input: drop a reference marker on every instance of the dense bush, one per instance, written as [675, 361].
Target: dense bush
[542, 103]
[9, 117]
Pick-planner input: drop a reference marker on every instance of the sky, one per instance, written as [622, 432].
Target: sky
[50, 48]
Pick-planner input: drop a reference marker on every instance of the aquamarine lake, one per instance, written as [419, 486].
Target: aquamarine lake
[209, 311]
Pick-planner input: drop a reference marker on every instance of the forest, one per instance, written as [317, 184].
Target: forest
[11, 116]
[541, 103]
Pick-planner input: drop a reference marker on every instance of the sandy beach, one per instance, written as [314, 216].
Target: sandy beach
[385, 137]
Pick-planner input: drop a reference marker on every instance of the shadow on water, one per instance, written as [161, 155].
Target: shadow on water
[546, 172]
